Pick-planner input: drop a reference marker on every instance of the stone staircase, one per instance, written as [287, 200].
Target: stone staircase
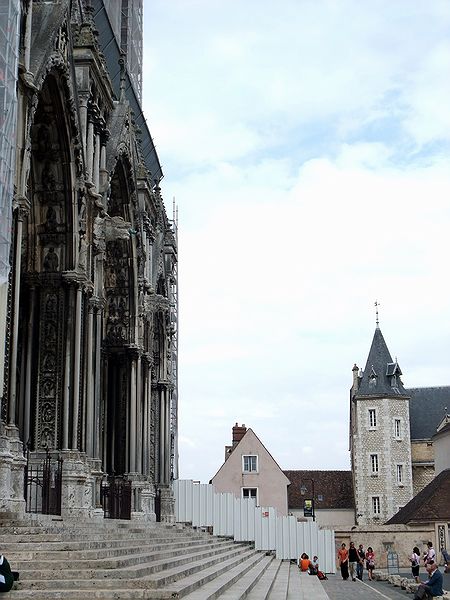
[70, 560]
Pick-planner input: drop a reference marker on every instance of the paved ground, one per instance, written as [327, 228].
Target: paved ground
[337, 589]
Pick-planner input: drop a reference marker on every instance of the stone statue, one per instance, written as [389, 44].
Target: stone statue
[51, 222]
[51, 260]
[82, 253]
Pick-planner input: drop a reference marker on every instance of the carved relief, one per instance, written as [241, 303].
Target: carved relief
[117, 293]
[50, 344]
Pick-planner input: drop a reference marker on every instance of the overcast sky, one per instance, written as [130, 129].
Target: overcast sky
[307, 145]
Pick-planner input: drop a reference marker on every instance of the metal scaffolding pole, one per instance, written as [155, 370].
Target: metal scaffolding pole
[174, 358]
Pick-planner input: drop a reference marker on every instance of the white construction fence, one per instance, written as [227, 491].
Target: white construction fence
[240, 518]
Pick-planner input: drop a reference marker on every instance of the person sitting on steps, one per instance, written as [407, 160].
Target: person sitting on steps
[432, 587]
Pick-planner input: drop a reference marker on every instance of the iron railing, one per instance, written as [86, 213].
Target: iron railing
[43, 485]
[115, 494]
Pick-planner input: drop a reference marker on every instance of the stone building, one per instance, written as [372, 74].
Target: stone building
[391, 431]
[90, 368]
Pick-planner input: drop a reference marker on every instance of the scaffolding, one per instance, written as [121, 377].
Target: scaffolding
[9, 56]
[174, 357]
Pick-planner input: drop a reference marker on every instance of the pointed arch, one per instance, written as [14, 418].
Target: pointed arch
[48, 250]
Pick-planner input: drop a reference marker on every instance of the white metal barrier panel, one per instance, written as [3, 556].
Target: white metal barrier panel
[240, 519]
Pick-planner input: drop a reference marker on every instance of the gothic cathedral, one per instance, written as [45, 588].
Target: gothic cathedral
[89, 395]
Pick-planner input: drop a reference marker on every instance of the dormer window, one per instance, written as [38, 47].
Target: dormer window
[373, 378]
[393, 371]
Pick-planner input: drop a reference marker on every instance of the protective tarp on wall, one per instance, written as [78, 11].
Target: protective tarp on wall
[9, 55]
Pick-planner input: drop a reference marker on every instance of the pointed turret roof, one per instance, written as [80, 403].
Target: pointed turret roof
[381, 376]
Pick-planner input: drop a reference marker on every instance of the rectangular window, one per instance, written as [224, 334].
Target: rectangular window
[374, 464]
[250, 464]
[372, 417]
[376, 505]
[400, 477]
[397, 428]
[250, 493]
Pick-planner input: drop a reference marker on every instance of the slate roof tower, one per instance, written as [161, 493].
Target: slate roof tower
[380, 442]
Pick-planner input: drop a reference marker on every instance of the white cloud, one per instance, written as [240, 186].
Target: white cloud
[308, 152]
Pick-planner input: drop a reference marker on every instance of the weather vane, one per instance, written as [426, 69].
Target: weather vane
[377, 304]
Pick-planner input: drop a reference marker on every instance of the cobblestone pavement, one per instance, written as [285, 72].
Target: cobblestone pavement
[337, 589]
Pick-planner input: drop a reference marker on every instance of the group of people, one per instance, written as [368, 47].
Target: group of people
[353, 560]
[311, 567]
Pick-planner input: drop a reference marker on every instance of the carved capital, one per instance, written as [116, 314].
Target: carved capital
[22, 205]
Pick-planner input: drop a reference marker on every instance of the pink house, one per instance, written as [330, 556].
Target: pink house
[250, 471]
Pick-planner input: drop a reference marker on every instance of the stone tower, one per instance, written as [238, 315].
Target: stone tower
[380, 443]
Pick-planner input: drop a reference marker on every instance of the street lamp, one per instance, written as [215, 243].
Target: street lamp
[308, 505]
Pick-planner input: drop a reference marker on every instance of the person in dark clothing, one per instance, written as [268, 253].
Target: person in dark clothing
[433, 586]
[360, 565]
[6, 577]
[352, 560]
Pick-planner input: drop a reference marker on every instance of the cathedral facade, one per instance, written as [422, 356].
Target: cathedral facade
[391, 431]
[90, 375]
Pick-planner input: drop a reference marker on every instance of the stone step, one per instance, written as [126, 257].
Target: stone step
[242, 586]
[96, 550]
[123, 567]
[91, 535]
[145, 575]
[227, 573]
[309, 586]
[277, 571]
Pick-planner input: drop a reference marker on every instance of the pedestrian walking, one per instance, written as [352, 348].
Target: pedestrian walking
[415, 563]
[370, 562]
[360, 565]
[343, 561]
[352, 560]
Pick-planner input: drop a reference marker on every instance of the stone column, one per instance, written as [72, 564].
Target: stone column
[22, 207]
[98, 380]
[96, 166]
[139, 415]
[90, 149]
[162, 446]
[132, 423]
[76, 367]
[67, 379]
[90, 383]
[145, 418]
[83, 104]
[29, 359]
[103, 173]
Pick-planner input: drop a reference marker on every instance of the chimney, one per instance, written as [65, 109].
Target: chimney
[356, 380]
[238, 433]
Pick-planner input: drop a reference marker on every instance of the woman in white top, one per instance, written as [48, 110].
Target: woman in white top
[430, 554]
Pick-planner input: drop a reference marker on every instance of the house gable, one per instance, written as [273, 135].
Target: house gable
[268, 478]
